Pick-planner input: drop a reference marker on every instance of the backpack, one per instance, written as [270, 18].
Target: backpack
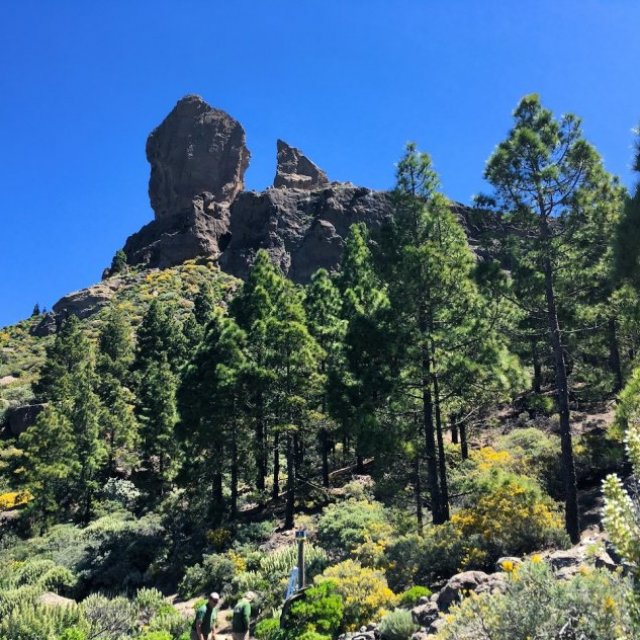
[239, 622]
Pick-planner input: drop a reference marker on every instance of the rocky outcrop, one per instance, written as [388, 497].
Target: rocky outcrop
[201, 229]
[296, 171]
[198, 158]
[83, 303]
[196, 150]
[301, 230]
[19, 419]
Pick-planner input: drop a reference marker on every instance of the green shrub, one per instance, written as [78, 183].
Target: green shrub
[397, 625]
[344, 526]
[58, 579]
[119, 550]
[411, 597]
[365, 593]
[440, 552]
[73, 633]
[156, 635]
[28, 621]
[537, 605]
[215, 572]
[321, 610]
[268, 629]
[535, 454]
[108, 619]
[537, 403]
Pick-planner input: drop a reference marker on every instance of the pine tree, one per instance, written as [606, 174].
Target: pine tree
[160, 337]
[292, 358]
[119, 427]
[158, 415]
[323, 307]
[252, 307]
[356, 393]
[212, 400]
[50, 464]
[546, 179]
[441, 321]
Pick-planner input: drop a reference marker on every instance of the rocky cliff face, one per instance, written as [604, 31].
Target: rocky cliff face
[197, 151]
[198, 158]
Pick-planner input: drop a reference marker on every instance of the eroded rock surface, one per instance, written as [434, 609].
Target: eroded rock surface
[196, 150]
[296, 171]
[301, 230]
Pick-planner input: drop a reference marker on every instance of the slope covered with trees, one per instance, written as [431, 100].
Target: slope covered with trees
[421, 412]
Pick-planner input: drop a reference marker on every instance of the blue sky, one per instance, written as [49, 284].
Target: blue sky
[348, 81]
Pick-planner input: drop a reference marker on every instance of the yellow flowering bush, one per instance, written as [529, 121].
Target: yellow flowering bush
[365, 592]
[537, 605]
[510, 514]
[14, 499]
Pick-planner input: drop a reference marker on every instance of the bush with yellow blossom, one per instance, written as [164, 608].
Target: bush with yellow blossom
[537, 605]
[365, 592]
[510, 514]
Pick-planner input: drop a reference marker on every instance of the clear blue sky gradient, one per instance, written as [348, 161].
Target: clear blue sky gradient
[348, 81]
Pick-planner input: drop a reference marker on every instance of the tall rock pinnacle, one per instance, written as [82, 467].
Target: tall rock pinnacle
[196, 150]
[296, 171]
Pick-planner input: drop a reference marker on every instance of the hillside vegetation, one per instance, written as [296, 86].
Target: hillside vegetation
[421, 412]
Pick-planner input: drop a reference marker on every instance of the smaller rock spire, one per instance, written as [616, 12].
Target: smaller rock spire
[296, 171]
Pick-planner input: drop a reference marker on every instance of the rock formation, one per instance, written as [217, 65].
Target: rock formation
[196, 150]
[296, 171]
[198, 158]
[301, 230]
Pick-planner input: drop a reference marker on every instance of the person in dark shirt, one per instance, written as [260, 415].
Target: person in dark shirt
[242, 617]
[204, 626]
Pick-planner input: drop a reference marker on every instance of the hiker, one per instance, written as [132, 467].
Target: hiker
[204, 626]
[242, 617]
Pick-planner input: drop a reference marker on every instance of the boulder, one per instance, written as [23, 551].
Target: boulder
[296, 171]
[458, 586]
[19, 419]
[195, 150]
[425, 614]
[51, 599]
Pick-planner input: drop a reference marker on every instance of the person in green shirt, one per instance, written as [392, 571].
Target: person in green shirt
[242, 617]
[204, 626]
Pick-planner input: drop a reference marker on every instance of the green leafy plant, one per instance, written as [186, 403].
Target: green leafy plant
[411, 596]
[397, 625]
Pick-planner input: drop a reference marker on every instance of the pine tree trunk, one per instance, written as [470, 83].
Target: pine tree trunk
[537, 368]
[324, 448]
[429, 436]
[359, 464]
[218, 497]
[614, 355]
[234, 475]
[454, 428]
[418, 493]
[442, 462]
[276, 467]
[464, 445]
[291, 472]
[562, 396]
[261, 448]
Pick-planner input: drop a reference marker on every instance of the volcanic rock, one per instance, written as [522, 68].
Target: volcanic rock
[296, 171]
[200, 229]
[196, 150]
[301, 230]
[19, 419]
